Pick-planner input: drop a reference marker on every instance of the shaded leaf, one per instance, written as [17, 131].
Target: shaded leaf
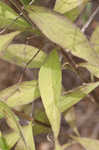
[70, 117]
[91, 68]
[20, 94]
[21, 54]
[40, 115]
[88, 144]
[50, 89]
[74, 96]
[10, 117]
[62, 32]
[63, 6]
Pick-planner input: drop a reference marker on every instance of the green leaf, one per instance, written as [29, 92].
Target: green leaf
[63, 6]
[29, 139]
[40, 115]
[95, 40]
[74, 96]
[62, 32]
[11, 139]
[21, 54]
[20, 94]
[3, 144]
[7, 17]
[50, 89]
[88, 144]
[39, 129]
[6, 39]
[10, 116]
[74, 13]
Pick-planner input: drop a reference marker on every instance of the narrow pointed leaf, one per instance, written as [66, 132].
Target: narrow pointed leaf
[74, 96]
[88, 144]
[62, 32]
[21, 54]
[50, 89]
[20, 94]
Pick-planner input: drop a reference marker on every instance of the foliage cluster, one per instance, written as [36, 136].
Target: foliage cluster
[58, 26]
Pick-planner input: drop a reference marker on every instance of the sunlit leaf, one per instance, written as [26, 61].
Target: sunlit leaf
[6, 39]
[21, 54]
[63, 6]
[8, 18]
[50, 89]
[28, 133]
[20, 94]
[74, 96]
[88, 144]
[62, 32]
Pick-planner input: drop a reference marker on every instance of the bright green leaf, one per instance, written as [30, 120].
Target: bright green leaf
[20, 94]
[62, 32]
[21, 54]
[74, 96]
[88, 144]
[50, 89]
[63, 6]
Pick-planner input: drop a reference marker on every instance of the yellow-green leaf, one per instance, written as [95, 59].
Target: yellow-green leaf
[20, 94]
[28, 133]
[74, 96]
[87, 143]
[6, 39]
[62, 32]
[50, 89]
[63, 6]
[21, 54]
